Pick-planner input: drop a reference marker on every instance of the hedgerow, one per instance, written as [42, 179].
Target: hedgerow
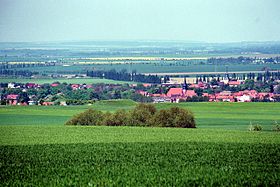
[141, 115]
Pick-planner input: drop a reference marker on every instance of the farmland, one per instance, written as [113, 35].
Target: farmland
[208, 115]
[37, 149]
[151, 67]
[63, 80]
[102, 156]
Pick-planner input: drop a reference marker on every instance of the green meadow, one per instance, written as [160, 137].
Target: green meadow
[38, 150]
[235, 116]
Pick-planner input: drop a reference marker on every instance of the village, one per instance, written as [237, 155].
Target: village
[172, 91]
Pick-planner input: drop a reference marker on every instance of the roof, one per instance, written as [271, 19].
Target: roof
[190, 93]
[54, 84]
[30, 85]
[234, 82]
[12, 96]
[147, 85]
[174, 92]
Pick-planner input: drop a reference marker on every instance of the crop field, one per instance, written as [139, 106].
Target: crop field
[208, 115]
[63, 80]
[151, 67]
[133, 156]
[38, 150]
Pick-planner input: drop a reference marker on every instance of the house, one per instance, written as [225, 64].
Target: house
[244, 98]
[234, 83]
[88, 86]
[265, 95]
[46, 103]
[75, 86]
[11, 85]
[63, 103]
[190, 93]
[144, 93]
[31, 85]
[200, 85]
[31, 102]
[225, 96]
[159, 98]
[175, 92]
[147, 85]
[12, 99]
[54, 84]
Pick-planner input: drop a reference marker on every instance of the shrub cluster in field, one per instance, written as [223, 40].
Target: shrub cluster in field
[276, 126]
[255, 127]
[141, 115]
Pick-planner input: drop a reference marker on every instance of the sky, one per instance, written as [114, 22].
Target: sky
[180, 20]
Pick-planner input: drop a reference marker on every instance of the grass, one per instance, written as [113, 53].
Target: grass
[133, 156]
[36, 149]
[49, 134]
[236, 116]
[62, 80]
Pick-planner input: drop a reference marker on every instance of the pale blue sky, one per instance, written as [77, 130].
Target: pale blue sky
[189, 20]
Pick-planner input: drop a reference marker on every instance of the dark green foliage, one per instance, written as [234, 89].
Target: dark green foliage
[183, 118]
[123, 75]
[119, 118]
[141, 164]
[174, 117]
[141, 115]
[162, 118]
[255, 127]
[89, 117]
[276, 127]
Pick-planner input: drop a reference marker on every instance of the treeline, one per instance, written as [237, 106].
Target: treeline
[11, 72]
[142, 115]
[262, 77]
[7, 65]
[123, 75]
[241, 59]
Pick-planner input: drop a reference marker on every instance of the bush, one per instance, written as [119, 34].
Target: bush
[119, 118]
[174, 117]
[276, 126]
[89, 117]
[142, 114]
[184, 118]
[255, 127]
[162, 118]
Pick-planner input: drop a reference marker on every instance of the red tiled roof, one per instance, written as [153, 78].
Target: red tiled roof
[30, 85]
[234, 82]
[174, 92]
[147, 85]
[54, 85]
[12, 96]
[190, 93]
[205, 95]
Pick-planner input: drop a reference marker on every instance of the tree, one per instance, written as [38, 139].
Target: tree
[142, 114]
[86, 118]
[162, 118]
[174, 117]
[119, 118]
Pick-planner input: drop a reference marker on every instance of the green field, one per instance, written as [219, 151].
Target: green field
[208, 115]
[37, 149]
[148, 67]
[63, 80]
